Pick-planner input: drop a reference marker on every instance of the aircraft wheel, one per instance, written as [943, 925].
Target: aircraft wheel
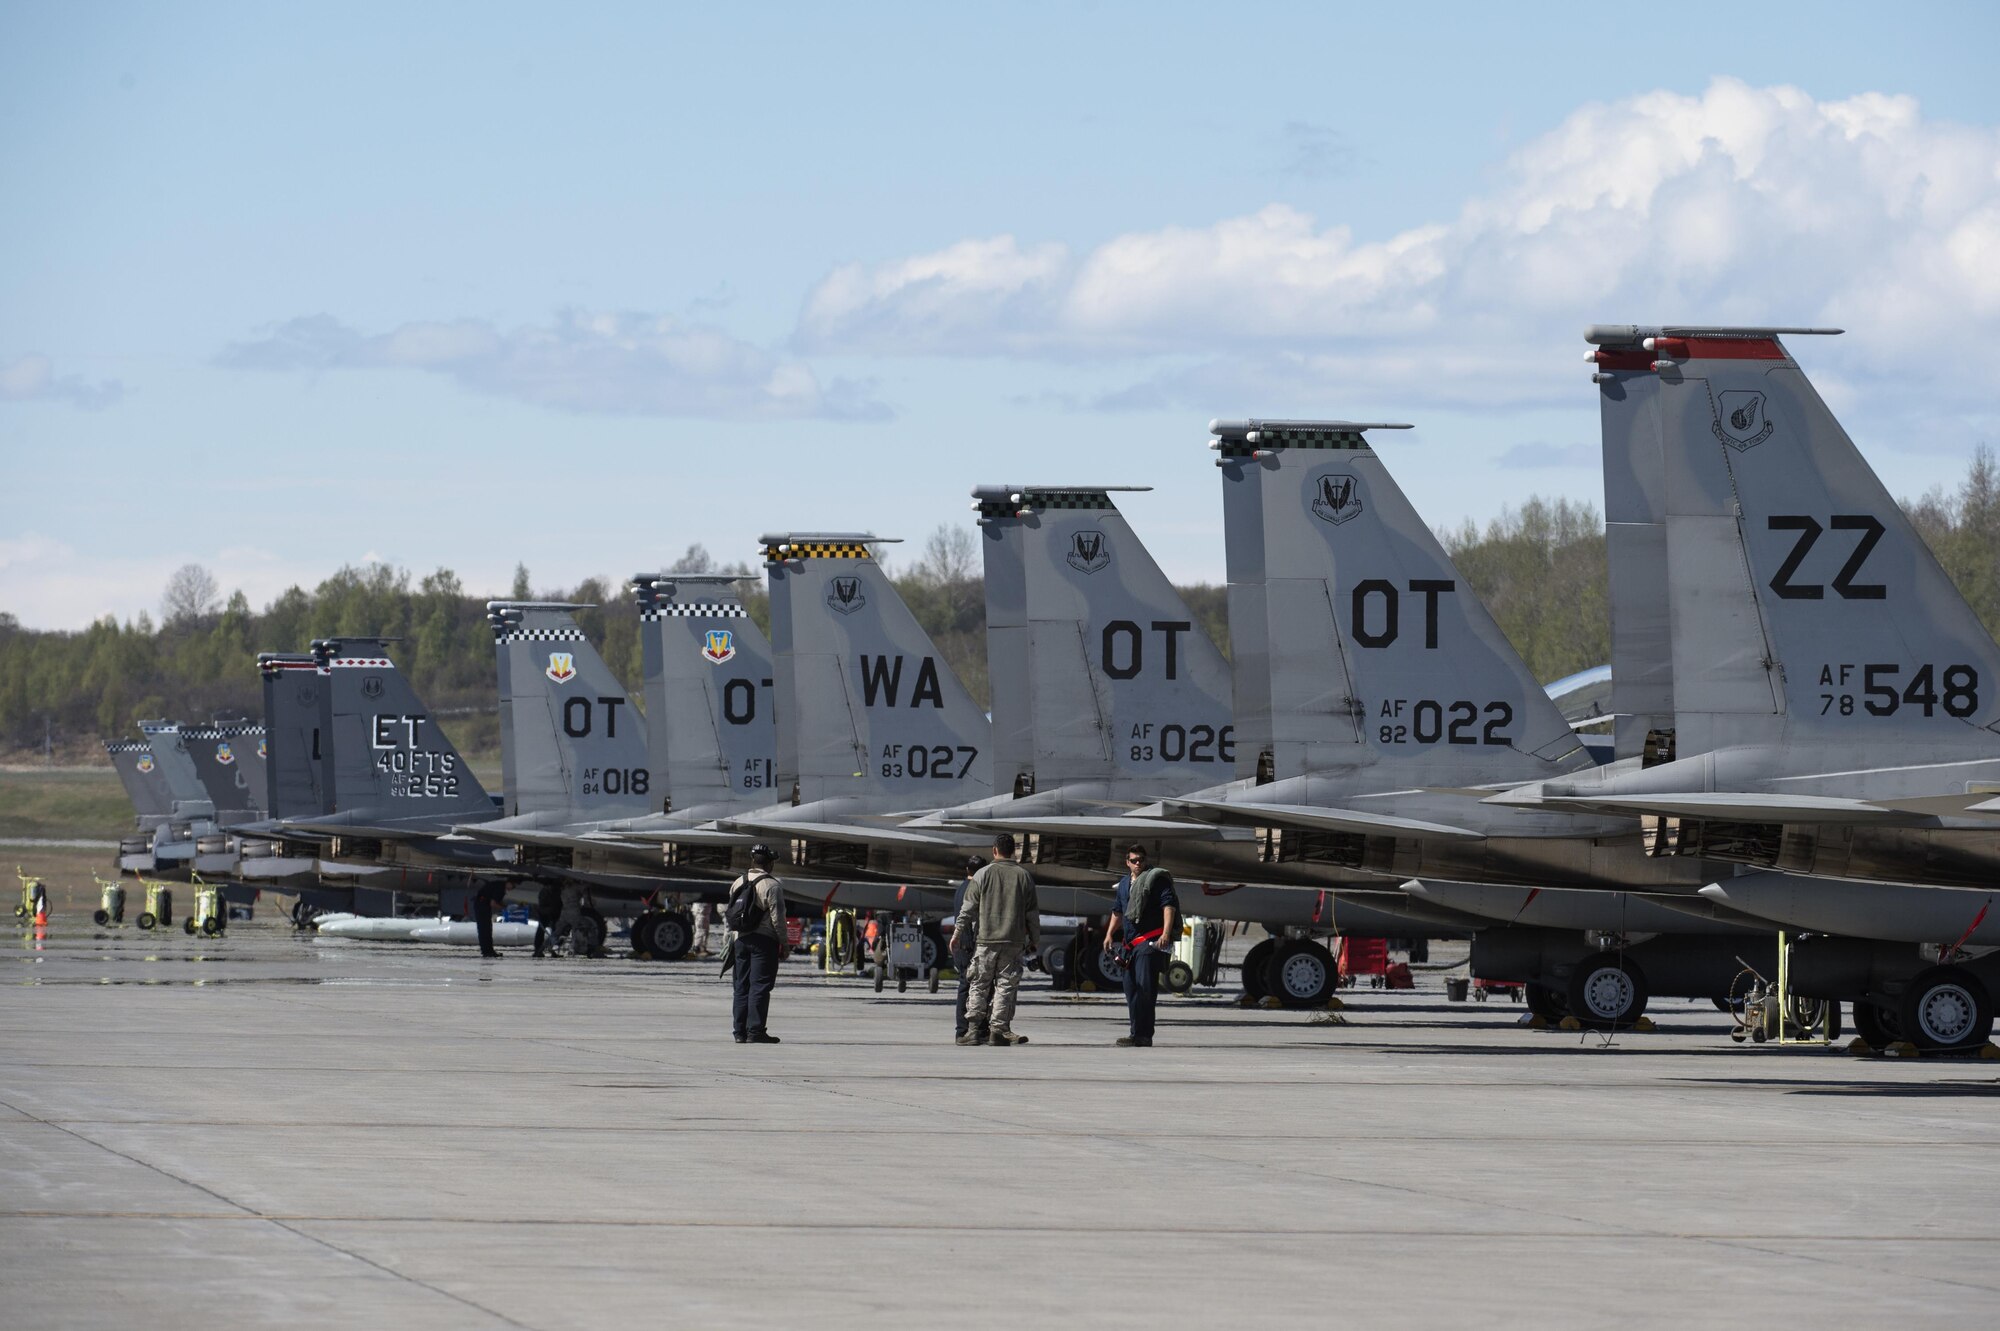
[935, 955]
[1055, 960]
[1301, 973]
[1253, 968]
[101, 916]
[1946, 1007]
[187, 926]
[663, 935]
[1546, 1003]
[146, 921]
[1877, 1023]
[1179, 977]
[1607, 992]
[1107, 972]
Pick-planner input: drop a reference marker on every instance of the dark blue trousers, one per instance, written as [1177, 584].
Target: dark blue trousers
[755, 974]
[1142, 994]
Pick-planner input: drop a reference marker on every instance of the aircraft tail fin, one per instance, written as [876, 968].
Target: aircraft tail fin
[184, 787]
[1353, 637]
[226, 775]
[1635, 538]
[1804, 603]
[145, 785]
[708, 691]
[867, 705]
[294, 745]
[388, 756]
[1099, 670]
[572, 743]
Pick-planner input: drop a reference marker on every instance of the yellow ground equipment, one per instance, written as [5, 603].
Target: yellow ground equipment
[34, 896]
[110, 900]
[159, 912]
[840, 946]
[211, 912]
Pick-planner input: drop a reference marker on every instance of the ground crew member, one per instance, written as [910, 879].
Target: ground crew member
[1145, 920]
[1001, 909]
[548, 909]
[484, 898]
[964, 939]
[704, 920]
[571, 932]
[758, 947]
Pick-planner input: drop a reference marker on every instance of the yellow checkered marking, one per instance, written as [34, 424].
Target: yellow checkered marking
[815, 550]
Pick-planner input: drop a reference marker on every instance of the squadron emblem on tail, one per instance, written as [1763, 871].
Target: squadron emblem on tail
[1088, 551]
[1336, 498]
[845, 595]
[1740, 419]
[719, 646]
[562, 667]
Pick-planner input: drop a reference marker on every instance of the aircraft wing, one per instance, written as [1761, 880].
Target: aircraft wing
[1746, 807]
[1099, 825]
[859, 834]
[1322, 818]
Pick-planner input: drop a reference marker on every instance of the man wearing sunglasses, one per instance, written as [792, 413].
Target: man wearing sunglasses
[1144, 923]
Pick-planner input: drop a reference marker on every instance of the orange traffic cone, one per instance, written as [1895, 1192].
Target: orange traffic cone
[42, 914]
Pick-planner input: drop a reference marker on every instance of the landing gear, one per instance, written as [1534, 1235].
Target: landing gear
[1946, 1007]
[1607, 992]
[1300, 973]
[1548, 1004]
[1879, 1024]
[663, 935]
[591, 931]
[1254, 986]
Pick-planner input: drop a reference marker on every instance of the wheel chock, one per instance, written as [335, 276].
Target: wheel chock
[1860, 1048]
[1245, 1000]
[1644, 1024]
[1333, 1004]
[1269, 1003]
[1533, 1021]
[1901, 1049]
[1569, 1024]
[1989, 1050]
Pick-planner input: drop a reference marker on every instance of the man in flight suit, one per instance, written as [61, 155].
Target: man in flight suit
[1146, 919]
[1001, 906]
[964, 940]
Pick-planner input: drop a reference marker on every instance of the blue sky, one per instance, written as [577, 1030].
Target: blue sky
[283, 288]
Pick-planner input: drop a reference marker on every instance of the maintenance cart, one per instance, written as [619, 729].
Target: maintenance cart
[110, 900]
[904, 951]
[159, 912]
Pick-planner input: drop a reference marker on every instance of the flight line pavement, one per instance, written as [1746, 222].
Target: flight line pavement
[270, 1129]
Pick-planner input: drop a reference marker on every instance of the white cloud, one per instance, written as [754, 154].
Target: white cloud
[608, 363]
[33, 378]
[1737, 205]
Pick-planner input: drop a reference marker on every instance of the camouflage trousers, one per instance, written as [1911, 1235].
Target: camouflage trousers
[996, 984]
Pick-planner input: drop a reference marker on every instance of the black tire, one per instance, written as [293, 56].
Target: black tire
[1876, 1023]
[1055, 960]
[187, 926]
[101, 917]
[1253, 968]
[146, 920]
[881, 976]
[663, 935]
[211, 927]
[1548, 1004]
[1946, 1007]
[1179, 978]
[934, 980]
[902, 982]
[1301, 973]
[594, 931]
[20, 912]
[1106, 972]
[935, 954]
[1607, 992]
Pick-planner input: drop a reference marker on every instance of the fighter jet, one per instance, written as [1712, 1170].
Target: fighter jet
[1825, 710]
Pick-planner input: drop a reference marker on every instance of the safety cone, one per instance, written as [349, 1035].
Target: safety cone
[42, 915]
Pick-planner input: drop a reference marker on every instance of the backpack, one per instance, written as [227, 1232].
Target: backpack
[744, 913]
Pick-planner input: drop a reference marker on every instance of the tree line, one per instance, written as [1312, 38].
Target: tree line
[1540, 569]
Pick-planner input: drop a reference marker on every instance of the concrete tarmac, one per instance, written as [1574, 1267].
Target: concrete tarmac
[277, 1130]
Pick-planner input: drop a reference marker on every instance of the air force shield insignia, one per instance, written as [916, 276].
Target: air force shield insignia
[371, 687]
[224, 754]
[262, 751]
[1088, 551]
[562, 667]
[845, 595]
[1740, 419]
[145, 763]
[1336, 498]
[720, 646]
